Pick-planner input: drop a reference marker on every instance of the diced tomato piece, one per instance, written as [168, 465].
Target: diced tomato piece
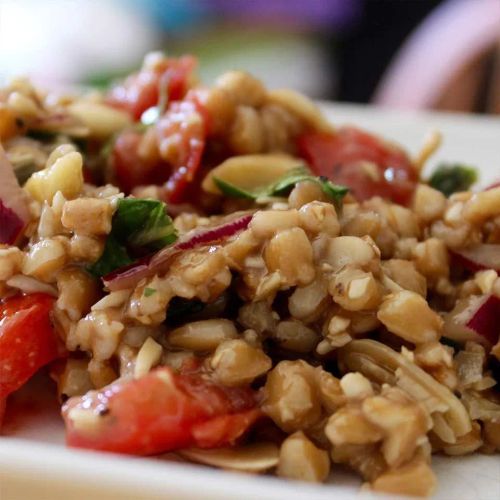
[361, 161]
[159, 412]
[182, 129]
[224, 429]
[11, 225]
[27, 339]
[186, 124]
[141, 90]
[130, 168]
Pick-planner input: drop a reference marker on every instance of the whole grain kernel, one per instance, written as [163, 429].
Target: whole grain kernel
[266, 223]
[291, 396]
[348, 425]
[409, 316]
[317, 217]
[349, 250]
[237, 363]
[301, 459]
[204, 335]
[290, 253]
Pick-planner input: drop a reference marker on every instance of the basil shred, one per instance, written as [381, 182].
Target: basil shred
[283, 186]
[139, 227]
[450, 178]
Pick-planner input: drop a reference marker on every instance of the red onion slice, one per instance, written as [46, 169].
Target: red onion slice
[11, 225]
[492, 186]
[129, 276]
[474, 318]
[14, 211]
[478, 257]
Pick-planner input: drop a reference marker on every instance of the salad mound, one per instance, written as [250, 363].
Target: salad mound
[218, 271]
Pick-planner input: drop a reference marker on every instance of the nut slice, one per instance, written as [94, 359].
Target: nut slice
[258, 457]
[250, 172]
[384, 365]
[302, 107]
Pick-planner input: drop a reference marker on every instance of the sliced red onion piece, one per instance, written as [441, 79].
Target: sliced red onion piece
[474, 318]
[129, 276]
[492, 186]
[11, 225]
[478, 257]
[14, 211]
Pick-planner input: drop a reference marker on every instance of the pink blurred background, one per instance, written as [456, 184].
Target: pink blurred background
[432, 54]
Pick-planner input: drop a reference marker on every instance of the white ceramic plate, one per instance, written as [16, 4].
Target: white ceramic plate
[34, 464]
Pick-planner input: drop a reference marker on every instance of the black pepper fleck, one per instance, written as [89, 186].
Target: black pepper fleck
[103, 412]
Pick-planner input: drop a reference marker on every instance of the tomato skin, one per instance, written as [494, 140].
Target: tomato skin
[140, 91]
[224, 429]
[187, 121]
[160, 412]
[340, 156]
[27, 339]
[130, 169]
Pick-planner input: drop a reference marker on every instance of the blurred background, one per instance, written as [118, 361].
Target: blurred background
[421, 54]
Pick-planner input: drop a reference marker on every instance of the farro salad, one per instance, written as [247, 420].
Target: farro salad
[221, 273]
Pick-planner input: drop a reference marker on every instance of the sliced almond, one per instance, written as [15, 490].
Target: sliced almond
[258, 457]
[381, 364]
[302, 107]
[101, 120]
[251, 172]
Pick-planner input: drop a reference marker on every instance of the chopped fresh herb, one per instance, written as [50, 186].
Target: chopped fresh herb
[233, 191]
[283, 186]
[143, 223]
[451, 178]
[139, 226]
[115, 255]
[286, 184]
[149, 291]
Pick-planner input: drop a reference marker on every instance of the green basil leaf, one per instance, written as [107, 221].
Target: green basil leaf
[138, 226]
[143, 223]
[450, 178]
[283, 186]
[233, 191]
[333, 191]
[115, 255]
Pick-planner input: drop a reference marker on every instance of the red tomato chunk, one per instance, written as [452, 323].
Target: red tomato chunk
[27, 339]
[159, 412]
[182, 128]
[361, 161]
[185, 123]
[141, 90]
